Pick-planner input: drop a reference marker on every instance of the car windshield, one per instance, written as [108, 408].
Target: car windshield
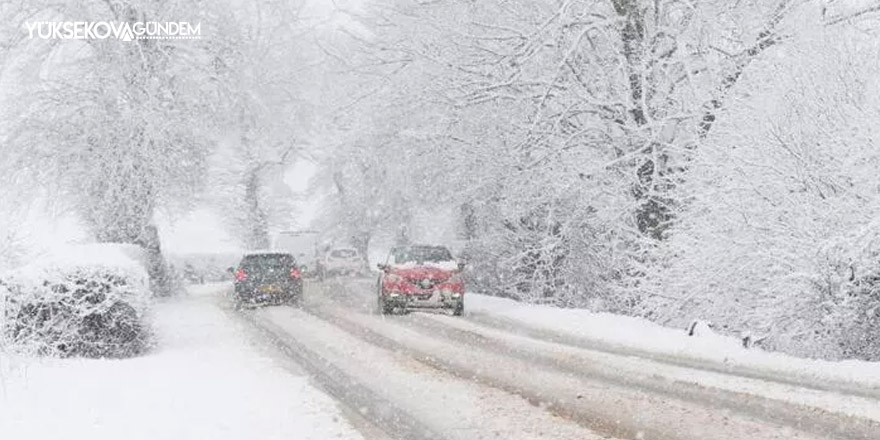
[421, 255]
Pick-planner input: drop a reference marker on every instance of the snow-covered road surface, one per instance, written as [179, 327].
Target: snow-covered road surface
[207, 379]
[613, 394]
[445, 406]
[222, 374]
[629, 335]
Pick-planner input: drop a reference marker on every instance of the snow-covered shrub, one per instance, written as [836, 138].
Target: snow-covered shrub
[86, 301]
[857, 319]
[569, 252]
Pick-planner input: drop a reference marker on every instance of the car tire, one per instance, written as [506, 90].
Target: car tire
[459, 309]
[382, 308]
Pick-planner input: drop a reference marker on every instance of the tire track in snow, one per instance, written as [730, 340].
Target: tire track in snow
[355, 287]
[810, 418]
[603, 408]
[383, 414]
[458, 409]
[791, 379]
[815, 420]
[446, 407]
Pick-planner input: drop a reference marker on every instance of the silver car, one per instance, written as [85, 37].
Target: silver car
[342, 261]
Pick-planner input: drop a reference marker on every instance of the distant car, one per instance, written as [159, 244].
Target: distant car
[420, 277]
[342, 261]
[268, 277]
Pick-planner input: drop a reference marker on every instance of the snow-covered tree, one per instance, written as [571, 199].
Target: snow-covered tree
[263, 67]
[780, 235]
[589, 148]
[114, 129]
[556, 126]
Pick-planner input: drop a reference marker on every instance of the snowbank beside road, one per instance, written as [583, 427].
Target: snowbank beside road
[203, 381]
[644, 336]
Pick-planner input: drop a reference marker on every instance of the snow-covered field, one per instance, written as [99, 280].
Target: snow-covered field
[204, 380]
[643, 335]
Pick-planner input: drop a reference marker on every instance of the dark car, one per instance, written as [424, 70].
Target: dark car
[268, 278]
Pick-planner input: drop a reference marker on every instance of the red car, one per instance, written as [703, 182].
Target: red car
[421, 277]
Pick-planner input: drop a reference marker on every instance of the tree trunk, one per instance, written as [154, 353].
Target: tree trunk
[119, 213]
[361, 242]
[256, 219]
[652, 214]
[468, 221]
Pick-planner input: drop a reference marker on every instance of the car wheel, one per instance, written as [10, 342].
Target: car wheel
[382, 308]
[459, 309]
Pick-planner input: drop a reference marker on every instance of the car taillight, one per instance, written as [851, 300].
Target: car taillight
[295, 273]
[241, 276]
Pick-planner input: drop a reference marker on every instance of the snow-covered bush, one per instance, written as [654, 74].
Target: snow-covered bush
[564, 257]
[86, 301]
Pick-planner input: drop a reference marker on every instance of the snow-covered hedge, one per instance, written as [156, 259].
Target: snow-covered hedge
[88, 300]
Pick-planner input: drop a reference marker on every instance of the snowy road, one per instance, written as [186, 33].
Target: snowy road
[452, 378]
[336, 369]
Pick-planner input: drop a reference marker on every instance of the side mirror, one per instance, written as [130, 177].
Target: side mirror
[461, 266]
[230, 270]
[383, 267]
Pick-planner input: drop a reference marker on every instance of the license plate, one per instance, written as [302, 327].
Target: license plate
[270, 289]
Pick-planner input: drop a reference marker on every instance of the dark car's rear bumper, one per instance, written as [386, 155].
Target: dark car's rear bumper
[268, 293]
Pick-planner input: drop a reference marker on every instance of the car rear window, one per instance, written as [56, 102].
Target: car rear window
[343, 253]
[268, 261]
